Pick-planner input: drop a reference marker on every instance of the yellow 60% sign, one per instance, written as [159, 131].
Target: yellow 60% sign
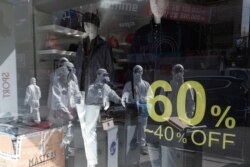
[200, 106]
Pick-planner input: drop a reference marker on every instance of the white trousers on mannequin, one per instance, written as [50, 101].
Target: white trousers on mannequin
[88, 117]
[36, 114]
[141, 135]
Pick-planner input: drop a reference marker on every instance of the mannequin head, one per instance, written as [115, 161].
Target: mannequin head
[137, 73]
[65, 72]
[90, 28]
[91, 24]
[102, 76]
[33, 81]
[70, 66]
[62, 60]
[158, 8]
[178, 72]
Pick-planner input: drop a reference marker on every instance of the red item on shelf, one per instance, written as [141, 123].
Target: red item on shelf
[113, 42]
[43, 125]
[129, 38]
[52, 42]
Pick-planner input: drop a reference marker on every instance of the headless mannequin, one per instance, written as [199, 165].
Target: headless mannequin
[155, 40]
[158, 9]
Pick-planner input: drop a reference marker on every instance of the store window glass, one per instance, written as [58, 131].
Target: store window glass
[119, 83]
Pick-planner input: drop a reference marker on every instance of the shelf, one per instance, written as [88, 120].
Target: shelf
[61, 30]
[115, 50]
[125, 44]
[55, 51]
[50, 6]
[119, 85]
[122, 60]
[118, 68]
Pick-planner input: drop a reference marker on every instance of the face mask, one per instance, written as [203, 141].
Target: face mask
[105, 78]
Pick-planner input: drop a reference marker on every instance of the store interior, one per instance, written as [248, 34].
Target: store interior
[55, 29]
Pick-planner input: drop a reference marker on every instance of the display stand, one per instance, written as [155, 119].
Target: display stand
[180, 154]
[129, 149]
[107, 148]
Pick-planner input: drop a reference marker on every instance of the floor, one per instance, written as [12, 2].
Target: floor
[79, 160]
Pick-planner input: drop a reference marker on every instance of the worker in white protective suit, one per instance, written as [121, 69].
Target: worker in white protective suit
[99, 95]
[169, 154]
[138, 91]
[52, 76]
[176, 82]
[65, 96]
[32, 97]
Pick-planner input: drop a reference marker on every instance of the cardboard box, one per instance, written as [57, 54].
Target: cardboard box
[178, 124]
[38, 148]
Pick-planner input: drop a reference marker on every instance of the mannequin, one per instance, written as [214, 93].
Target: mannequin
[32, 97]
[52, 75]
[176, 82]
[160, 38]
[152, 42]
[99, 95]
[139, 93]
[93, 53]
[65, 96]
[158, 9]
[169, 153]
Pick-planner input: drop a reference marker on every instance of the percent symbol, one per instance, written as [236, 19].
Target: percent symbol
[229, 121]
[181, 138]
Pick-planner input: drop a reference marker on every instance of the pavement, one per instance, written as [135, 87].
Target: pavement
[233, 156]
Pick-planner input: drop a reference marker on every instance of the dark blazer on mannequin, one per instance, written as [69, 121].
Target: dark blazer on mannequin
[87, 62]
